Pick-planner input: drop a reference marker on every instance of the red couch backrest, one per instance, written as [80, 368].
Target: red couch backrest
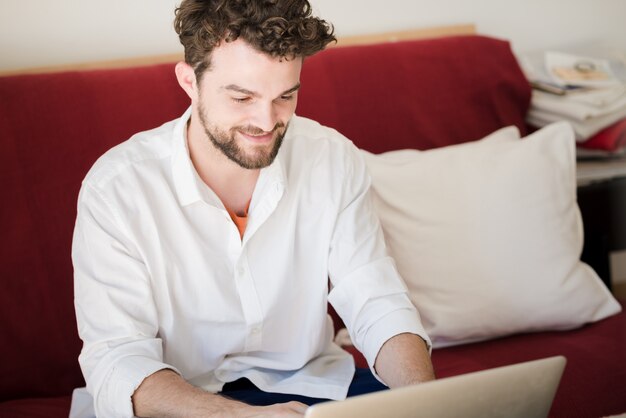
[419, 94]
[52, 129]
[416, 94]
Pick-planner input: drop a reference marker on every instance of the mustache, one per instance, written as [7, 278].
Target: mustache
[255, 130]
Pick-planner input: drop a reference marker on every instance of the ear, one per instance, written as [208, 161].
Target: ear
[187, 79]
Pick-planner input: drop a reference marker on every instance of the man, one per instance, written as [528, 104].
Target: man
[203, 248]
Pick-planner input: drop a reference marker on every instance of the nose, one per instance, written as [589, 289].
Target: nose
[266, 117]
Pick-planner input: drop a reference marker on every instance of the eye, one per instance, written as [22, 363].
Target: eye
[241, 99]
[287, 97]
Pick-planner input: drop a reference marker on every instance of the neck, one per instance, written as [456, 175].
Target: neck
[232, 183]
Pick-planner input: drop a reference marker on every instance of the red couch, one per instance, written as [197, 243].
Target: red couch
[415, 94]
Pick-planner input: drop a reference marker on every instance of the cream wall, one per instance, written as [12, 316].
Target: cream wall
[51, 32]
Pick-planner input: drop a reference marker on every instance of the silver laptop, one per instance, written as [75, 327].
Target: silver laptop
[523, 390]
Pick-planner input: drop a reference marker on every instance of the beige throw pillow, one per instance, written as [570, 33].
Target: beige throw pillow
[488, 235]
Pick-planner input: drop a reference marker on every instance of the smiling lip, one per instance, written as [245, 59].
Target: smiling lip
[259, 139]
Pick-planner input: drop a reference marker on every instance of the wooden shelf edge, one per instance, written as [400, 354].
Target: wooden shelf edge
[422, 33]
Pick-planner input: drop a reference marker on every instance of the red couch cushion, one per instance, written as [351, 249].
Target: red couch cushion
[36, 408]
[416, 94]
[588, 388]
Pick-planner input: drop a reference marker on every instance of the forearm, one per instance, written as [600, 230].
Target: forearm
[167, 394]
[404, 360]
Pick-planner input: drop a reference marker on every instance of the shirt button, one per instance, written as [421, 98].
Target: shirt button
[256, 330]
[242, 270]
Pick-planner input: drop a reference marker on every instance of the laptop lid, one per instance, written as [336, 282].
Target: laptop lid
[523, 390]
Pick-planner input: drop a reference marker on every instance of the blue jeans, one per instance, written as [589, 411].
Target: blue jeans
[243, 390]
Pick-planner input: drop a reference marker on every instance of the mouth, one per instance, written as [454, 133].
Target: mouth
[261, 138]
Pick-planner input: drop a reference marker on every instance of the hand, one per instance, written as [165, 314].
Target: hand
[281, 410]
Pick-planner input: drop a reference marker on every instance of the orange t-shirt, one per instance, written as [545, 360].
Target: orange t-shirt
[240, 220]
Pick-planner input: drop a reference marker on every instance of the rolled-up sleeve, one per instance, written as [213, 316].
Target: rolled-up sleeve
[367, 290]
[115, 310]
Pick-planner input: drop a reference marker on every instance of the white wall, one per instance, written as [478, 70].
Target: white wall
[51, 32]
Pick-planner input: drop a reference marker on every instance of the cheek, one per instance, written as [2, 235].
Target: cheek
[221, 112]
[228, 115]
[287, 111]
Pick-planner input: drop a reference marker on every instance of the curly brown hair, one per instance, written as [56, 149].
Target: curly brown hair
[279, 28]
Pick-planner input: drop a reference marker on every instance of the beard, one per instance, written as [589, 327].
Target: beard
[226, 142]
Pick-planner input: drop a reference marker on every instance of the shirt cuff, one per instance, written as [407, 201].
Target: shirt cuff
[397, 322]
[124, 379]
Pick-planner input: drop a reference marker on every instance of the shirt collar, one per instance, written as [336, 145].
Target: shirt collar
[183, 172]
[189, 186]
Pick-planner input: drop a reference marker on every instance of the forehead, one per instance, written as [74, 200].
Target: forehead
[239, 63]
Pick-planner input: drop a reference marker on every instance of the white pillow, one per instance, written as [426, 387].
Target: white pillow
[488, 235]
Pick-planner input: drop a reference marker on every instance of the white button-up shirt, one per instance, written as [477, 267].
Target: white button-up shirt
[163, 278]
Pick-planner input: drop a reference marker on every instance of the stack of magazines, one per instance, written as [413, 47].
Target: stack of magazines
[587, 91]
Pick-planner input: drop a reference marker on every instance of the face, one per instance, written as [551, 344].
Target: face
[244, 103]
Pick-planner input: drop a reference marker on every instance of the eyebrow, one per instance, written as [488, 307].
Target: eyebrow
[239, 89]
